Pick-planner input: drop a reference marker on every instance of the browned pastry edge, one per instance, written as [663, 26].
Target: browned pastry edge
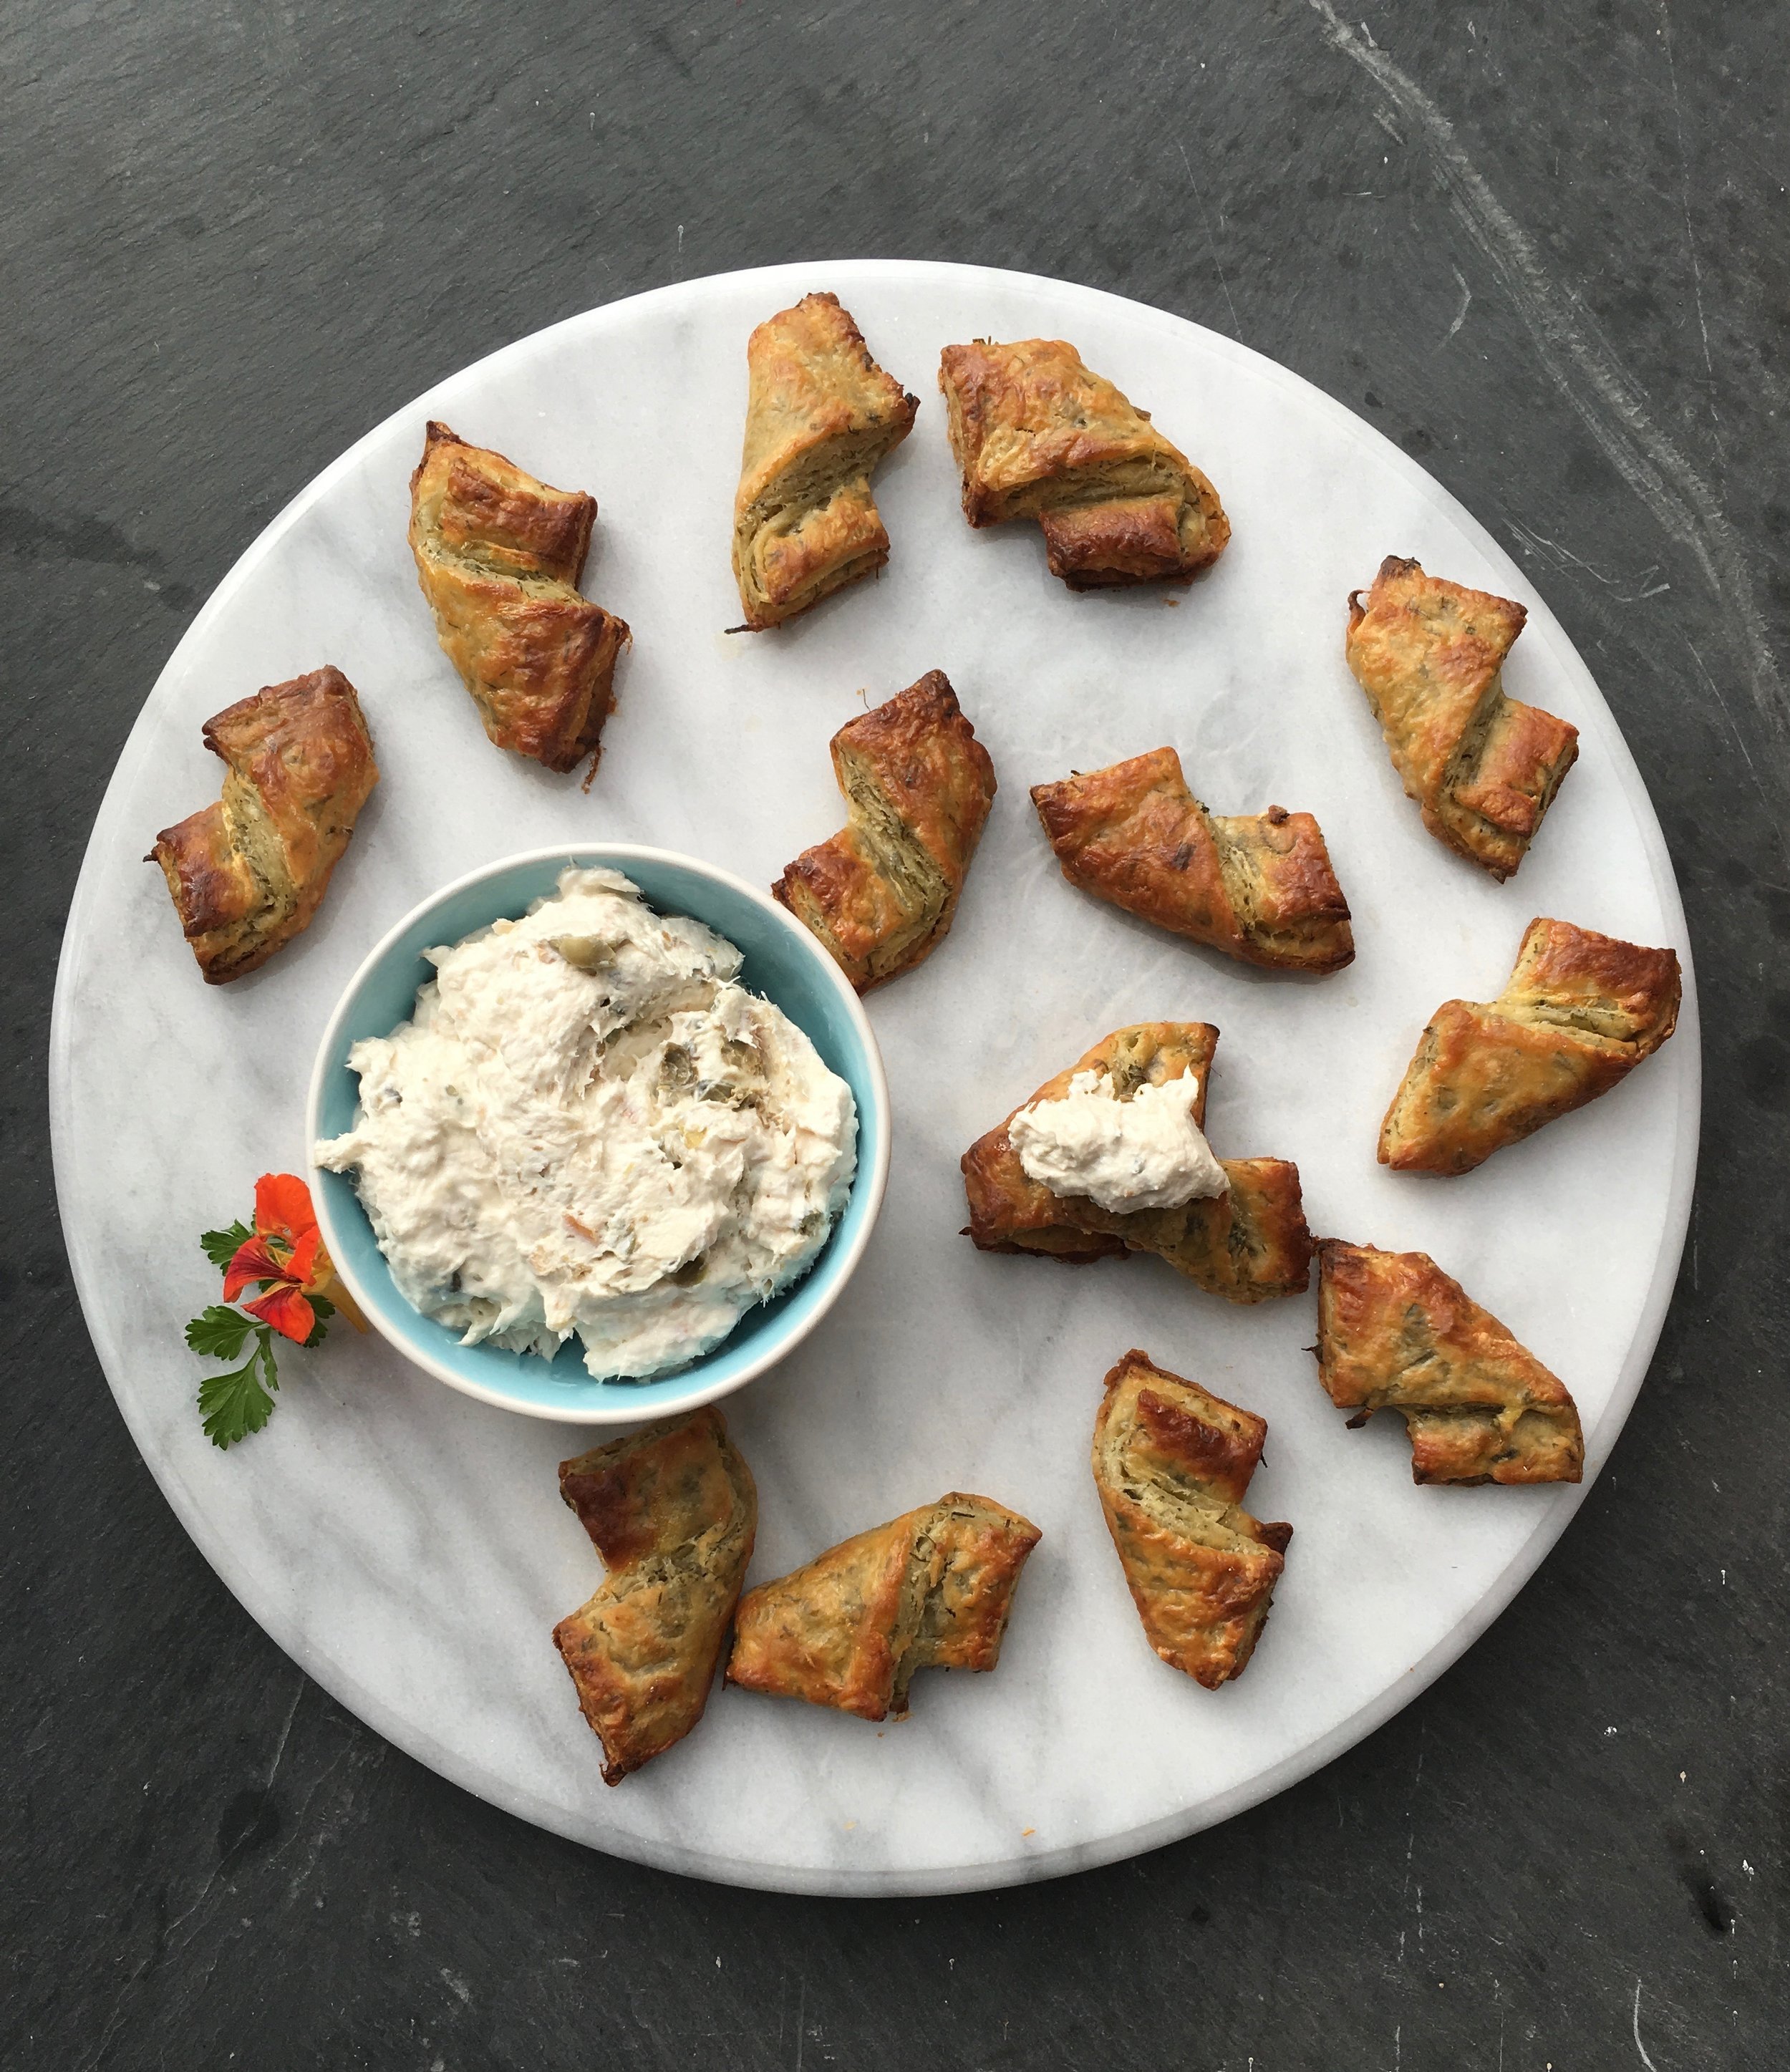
[1483, 768]
[931, 1589]
[1172, 1463]
[881, 894]
[500, 555]
[1038, 434]
[1259, 887]
[672, 1511]
[1580, 1011]
[820, 415]
[1395, 1333]
[248, 873]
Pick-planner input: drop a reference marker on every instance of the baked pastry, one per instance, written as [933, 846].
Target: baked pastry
[1010, 1211]
[929, 1590]
[1483, 768]
[820, 414]
[1259, 887]
[672, 1511]
[1580, 1012]
[1172, 1464]
[881, 894]
[250, 873]
[1247, 1244]
[1394, 1333]
[500, 556]
[1039, 435]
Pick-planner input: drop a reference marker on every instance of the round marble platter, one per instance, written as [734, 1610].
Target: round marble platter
[407, 1545]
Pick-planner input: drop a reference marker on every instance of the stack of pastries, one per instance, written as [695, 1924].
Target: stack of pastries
[1037, 434]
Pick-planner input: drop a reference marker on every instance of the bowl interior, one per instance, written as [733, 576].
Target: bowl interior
[782, 961]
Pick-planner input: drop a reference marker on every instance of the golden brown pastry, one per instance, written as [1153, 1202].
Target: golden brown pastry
[1259, 887]
[672, 1511]
[882, 894]
[1246, 1244]
[250, 873]
[1580, 1012]
[1483, 768]
[1039, 435]
[500, 556]
[929, 1590]
[1172, 1464]
[820, 414]
[1394, 1333]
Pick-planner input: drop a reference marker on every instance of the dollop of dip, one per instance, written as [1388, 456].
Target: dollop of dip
[1146, 1152]
[587, 1126]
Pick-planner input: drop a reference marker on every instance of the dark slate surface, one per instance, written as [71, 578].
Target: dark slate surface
[1543, 247]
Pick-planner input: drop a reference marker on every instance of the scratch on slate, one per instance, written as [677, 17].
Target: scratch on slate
[1588, 374]
[1640, 2046]
[1710, 685]
[1212, 245]
[1690, 234]
[285, 1732]
[1538, 542]
[1466, 303]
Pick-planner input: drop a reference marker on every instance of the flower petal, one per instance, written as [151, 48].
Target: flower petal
[254, 1260]
[326, 1281]
[286, 1310]
[283, 1207]
[302, 1267]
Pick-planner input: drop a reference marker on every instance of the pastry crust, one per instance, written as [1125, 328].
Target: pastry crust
[1247, 1244]
[931, 1589]
[249, 874]
[1172, 1464]
[1394, 1333]
[499, 556]
[672, 1511]
[882, 894]
[1483, 768]
[1579, 1014]
[820, 415]
[1259, 887]
[1039, 435]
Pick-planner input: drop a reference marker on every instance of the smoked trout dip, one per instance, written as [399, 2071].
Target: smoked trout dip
[588, 1126]
[1145, 1153]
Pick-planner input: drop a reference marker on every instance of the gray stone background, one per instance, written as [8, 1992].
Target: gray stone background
[1542, 246]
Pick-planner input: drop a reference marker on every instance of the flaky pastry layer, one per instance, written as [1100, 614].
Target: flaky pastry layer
[1173, 1463]
[1259, 887]
[248, 873]
[1580, 1012]
[672, 1510]
[1395, 1333]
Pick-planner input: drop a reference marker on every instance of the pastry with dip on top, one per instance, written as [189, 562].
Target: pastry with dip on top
[1110, 1156]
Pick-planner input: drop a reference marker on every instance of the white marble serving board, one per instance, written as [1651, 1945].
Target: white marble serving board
[408, 1546]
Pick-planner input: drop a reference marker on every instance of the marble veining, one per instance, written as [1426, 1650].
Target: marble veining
[407, 1545]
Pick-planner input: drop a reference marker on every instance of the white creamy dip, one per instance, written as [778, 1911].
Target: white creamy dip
[588, 1126]
[1146, 1152]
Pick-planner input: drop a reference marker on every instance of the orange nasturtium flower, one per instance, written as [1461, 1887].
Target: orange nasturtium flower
[286, 1255]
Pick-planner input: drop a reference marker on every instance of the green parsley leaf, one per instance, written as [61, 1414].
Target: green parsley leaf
[234, 1404]
[221, 1246]
[322, 1309]
[220, 1334]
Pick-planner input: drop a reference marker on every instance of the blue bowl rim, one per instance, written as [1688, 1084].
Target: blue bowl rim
[838, 1266]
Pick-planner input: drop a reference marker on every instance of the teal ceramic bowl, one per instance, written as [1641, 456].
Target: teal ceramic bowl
[782, 961]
